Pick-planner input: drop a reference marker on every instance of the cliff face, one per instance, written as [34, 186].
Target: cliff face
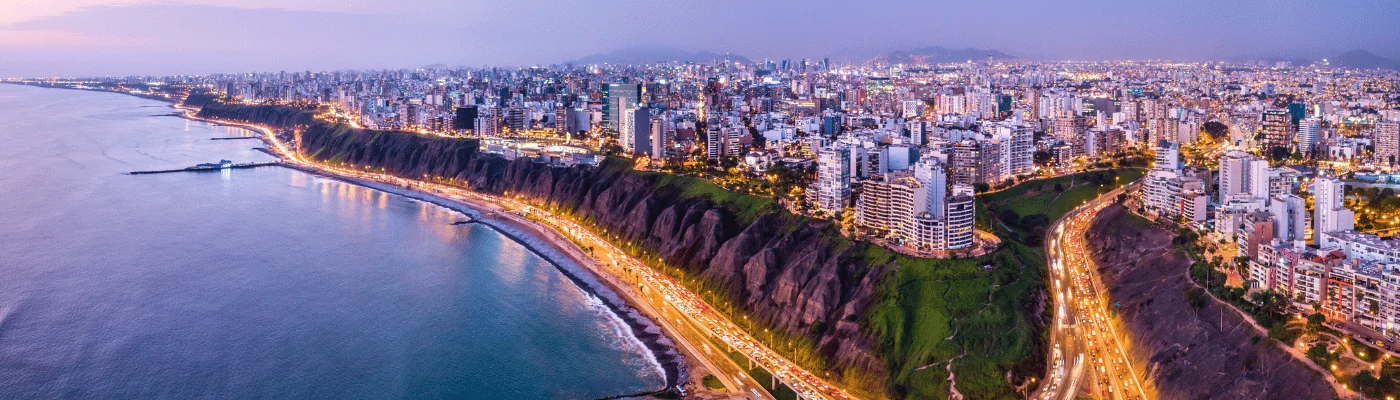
[399, 153]
[1192, 353]
[781, 270]
[270, 115]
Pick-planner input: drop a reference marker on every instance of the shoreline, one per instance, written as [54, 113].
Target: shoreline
[580, 270]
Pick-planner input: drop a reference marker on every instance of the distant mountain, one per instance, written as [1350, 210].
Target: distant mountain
[655, 55]
[1362, 59]
[937, 55]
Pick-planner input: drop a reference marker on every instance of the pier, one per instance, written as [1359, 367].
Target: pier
[209, 167]
[235, 138]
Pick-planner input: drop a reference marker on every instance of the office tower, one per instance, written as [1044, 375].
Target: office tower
[616, 98]
[831, 125]
[1329, 214]
[465, 118]
[1386, 138]
[833, 178]
[1309, 133]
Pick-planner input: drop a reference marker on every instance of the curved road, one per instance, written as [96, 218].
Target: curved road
[1088, 356]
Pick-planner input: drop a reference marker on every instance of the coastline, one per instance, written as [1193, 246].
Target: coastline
[545, 243]
[578, 269]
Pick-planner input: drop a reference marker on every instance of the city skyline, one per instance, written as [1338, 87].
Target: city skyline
[107, 38]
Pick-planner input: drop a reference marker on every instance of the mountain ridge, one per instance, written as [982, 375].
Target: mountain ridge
[650, 55]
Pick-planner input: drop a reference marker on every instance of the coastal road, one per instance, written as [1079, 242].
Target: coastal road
[1088, 355]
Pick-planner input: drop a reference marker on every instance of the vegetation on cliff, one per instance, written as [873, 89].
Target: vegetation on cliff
[277, 116]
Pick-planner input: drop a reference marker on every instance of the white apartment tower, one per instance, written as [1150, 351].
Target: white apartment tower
[833, 178]
[1309, 133]
[1290, 220]
[1329, 214]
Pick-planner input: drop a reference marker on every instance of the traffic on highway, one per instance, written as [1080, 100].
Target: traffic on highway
[1089, 357]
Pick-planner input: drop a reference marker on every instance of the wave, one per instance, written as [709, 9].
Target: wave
[627, 339]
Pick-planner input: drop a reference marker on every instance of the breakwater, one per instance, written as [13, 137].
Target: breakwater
[207, 168]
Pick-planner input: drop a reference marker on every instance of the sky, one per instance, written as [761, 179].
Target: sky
[165, 37]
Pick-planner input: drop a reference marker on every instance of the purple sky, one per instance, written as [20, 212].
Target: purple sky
[124, 37]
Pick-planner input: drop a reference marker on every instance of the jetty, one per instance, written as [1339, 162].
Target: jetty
[219, 166]
[235, 138]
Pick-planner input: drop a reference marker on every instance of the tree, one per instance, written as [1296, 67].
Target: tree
[758, 140]
[1318, 354]
[1009, 217]
[1216, 129]
[1278, 153]
[1034, 221]
[1315, 322]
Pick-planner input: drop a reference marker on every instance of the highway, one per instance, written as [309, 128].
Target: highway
[688, 320]
[1088, 355]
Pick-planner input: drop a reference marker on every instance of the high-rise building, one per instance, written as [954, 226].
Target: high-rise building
[1289, 217]
[1329, 214]
[660, 139]
[1244, 177]
[465, 118]
[1274, 130]
[1168, 155]
[635, 130]
[561, 120]
[833, 178]
[1019, 148]
[714, 145]
[1070, 129]
[616, 98]
[1386, 137]
[975, 161]
[1309, 133]
[933, 175]
[960, 217]
[515, 119]
[1234, 170]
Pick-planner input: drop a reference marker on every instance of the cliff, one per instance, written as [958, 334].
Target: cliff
[277, 116]
[1192, 352]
